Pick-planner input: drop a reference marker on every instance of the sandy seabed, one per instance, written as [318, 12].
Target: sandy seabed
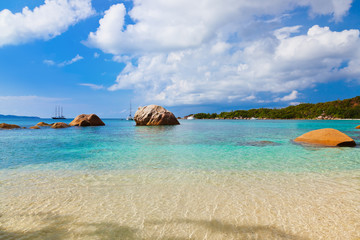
[183, 204]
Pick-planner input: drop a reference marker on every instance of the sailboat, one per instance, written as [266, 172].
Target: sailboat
[130, 118]
[58, 113]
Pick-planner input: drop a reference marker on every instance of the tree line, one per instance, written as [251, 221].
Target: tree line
[348, 108]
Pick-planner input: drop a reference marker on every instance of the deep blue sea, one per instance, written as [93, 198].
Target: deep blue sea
[203, 179]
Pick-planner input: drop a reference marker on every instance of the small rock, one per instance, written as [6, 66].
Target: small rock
[8, 126]
[60, 125]
[259, 143]
[44, 124]
[34, 127]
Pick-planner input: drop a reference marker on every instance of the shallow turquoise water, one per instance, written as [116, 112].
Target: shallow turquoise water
[195, 144]
[203, 179]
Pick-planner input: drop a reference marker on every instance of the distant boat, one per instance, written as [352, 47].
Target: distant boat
[191, 117]
[58, 113]
[253, 118]
[130, 118]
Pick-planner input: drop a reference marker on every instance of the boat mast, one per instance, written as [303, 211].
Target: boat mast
[130, 109]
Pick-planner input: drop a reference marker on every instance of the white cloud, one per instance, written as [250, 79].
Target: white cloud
[180, 24]
[49, 62]
[292, 96]
[74, 60]
[44, 22]
[64, 63]
[338, 8]
[92, 86]
[96, 55]
[272, 65]
[195, 52]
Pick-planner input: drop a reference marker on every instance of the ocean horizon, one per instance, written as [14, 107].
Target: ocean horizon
[203, 179]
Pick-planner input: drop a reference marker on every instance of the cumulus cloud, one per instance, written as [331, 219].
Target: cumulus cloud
[92, 86]
[195, 52]
[275, 65]
[175, 25]
[44, 22]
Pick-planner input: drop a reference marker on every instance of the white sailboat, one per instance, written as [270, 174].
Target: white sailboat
[130, 118]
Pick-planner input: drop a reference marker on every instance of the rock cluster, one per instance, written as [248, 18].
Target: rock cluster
[154, 115]
[327, 137]
[85, 120]
[324, 117]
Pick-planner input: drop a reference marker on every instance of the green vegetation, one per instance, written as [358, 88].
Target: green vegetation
[348, 108]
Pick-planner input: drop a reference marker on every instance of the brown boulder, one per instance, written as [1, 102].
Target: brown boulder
[358, 127]
[327, 137]
[60, 125]
[85, 120]
[8, 126]
[44, 124]
[154, 115]
[34, 127]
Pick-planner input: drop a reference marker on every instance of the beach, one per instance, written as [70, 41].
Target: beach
[201, 180]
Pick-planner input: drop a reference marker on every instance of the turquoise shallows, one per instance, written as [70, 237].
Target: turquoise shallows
[193, 145]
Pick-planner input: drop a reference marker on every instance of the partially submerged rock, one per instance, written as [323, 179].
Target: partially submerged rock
[358, 127]
[259, 143]
[85, 120]
[327, 137]
[60, 125]
[8, 126]
[44, 124]
[154, 115]
[34, 127]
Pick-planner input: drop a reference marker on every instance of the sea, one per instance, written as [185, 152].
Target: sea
[202, 179]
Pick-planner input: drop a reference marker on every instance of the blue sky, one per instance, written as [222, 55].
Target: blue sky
[189, 56]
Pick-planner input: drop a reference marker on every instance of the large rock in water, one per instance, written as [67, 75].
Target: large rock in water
[85, 120]
[44, 124]
[8, 126]
[60, 125]
[327, 137]
[154, 115]
[358, 127]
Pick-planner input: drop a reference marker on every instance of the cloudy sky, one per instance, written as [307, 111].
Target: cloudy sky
[95, 56]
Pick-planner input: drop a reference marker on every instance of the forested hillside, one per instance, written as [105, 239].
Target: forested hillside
[348, 108]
